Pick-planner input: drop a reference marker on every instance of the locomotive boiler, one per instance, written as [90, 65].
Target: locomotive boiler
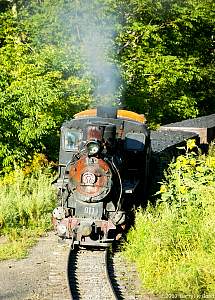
[103, 167]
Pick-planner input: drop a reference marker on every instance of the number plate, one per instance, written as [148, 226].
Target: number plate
[89, 210]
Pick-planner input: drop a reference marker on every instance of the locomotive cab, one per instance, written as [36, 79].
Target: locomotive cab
[104, 157]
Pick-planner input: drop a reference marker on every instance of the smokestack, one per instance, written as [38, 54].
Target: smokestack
[107, 112]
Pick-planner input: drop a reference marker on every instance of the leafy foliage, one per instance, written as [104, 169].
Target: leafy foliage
[173, 243]
[39, 88]
[167, 54]
[165, 49]
[26, 202]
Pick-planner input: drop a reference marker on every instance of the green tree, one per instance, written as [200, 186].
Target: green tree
[167, 53]
[40, 86]
[165, 50]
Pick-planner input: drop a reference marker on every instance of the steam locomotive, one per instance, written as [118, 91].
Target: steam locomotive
[103, 165]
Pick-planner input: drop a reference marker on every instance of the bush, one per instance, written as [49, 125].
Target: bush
[173, 244]
[26, 202]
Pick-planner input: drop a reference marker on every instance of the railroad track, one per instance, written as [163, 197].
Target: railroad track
[90, 274]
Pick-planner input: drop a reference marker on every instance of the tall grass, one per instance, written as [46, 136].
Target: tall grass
[173, 244]
[26, 203]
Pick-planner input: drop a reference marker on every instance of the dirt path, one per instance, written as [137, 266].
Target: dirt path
[29, 278]
[43, 274]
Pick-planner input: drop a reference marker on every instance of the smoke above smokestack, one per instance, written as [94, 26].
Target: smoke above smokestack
[95, 30]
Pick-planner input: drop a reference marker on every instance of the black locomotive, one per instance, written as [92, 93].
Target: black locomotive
[103, 163]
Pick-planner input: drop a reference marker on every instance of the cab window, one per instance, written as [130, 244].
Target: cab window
[71, 139]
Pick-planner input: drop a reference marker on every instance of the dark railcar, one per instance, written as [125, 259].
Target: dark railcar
[103, 163]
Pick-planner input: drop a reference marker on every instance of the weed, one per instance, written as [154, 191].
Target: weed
[173, 243]
[26, 202]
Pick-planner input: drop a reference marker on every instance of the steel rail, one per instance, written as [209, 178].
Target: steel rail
[110, 279]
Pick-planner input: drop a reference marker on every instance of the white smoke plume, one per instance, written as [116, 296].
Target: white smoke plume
[96, 30]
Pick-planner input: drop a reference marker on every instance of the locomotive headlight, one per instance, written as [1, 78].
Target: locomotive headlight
[93, 147]
[85, 229]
